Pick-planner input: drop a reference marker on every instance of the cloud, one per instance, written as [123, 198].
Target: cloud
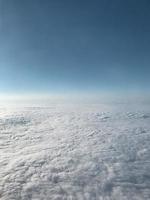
[74, 152]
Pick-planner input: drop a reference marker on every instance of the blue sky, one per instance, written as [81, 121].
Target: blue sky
[55, 46]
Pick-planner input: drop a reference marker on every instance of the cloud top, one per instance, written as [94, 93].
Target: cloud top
[76, 153]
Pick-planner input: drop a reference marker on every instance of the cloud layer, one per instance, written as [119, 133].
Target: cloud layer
[75, 152]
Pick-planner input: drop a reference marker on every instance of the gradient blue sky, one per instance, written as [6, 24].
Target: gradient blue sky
[52, 46]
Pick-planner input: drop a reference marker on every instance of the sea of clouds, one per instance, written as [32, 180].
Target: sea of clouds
[74, 152]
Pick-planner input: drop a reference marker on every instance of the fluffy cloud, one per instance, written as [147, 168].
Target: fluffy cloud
[89, 152]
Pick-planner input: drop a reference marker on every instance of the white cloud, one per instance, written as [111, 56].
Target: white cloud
[74, 152]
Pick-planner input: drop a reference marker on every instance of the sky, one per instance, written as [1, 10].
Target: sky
[55, 46]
